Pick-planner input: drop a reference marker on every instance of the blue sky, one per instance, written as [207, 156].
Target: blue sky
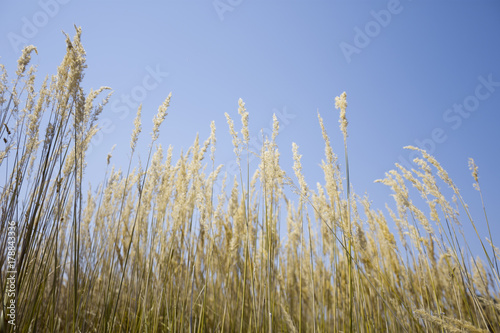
[415, 72]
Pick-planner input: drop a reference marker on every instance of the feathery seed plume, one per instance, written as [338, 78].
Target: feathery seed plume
[341, 103]
[25, 59]
[160, 117]
[473, 167]
[244, 120]
[213, 140]
[137, 128]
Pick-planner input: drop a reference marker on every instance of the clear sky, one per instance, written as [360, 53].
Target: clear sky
[416, 73]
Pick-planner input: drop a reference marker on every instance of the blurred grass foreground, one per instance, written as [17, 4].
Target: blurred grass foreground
[174, 245]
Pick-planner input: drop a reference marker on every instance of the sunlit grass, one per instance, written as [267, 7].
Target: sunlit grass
[174, 245]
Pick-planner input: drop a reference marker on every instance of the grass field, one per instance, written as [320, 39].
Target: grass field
[173, 245]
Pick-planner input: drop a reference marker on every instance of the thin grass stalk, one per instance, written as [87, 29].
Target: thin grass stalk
[300, 271]
[245, 202]
[160, 117]
[477, 187]
[313, 288]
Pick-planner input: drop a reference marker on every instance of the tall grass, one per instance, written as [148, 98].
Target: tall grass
[174, 245]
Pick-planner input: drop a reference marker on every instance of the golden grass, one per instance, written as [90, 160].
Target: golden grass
[175, 246]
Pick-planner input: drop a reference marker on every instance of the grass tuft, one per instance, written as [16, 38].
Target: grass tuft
[174, 245]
